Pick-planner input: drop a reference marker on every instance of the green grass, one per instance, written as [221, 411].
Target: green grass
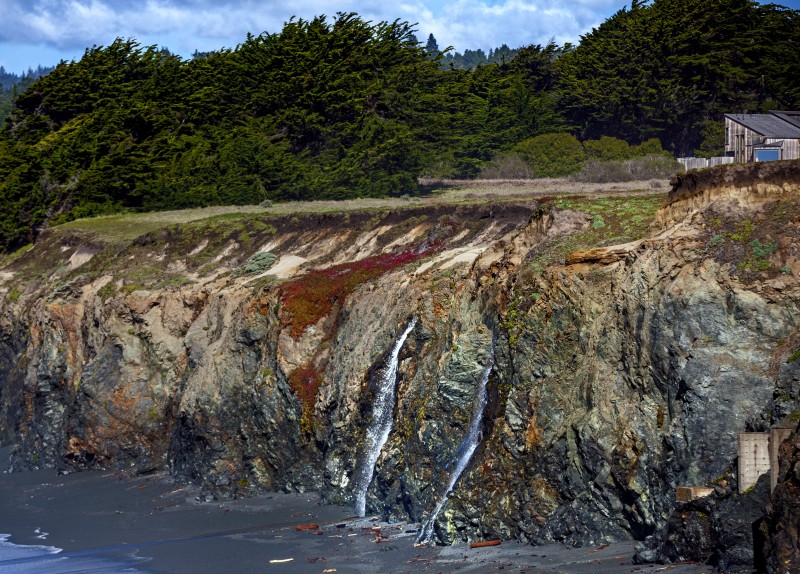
[139, 248]
[11, 257]
[129, 226]
[614, 220]
[13, 295]
[749, 247]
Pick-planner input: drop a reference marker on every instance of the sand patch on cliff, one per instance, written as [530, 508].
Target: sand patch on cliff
[286, 266]
[452, 257]
[199, 248]
[82, 255]
[231, 247]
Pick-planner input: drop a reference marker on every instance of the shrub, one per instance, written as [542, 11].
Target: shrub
[13, 295]
[652, 166]
[107, 291]
[608, 149]
[551, 155]
[614, 149]
[506, 166]
[648, 147]
[259, 263]
[594, 171]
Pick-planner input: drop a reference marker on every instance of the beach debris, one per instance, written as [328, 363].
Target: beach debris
[328, 570]
[302, 527]
[598, 549]
[316, 559]
[281, 560]
[377, 534]
[341, 525]
[485, 543]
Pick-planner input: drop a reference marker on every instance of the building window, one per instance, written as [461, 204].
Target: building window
[767, 154]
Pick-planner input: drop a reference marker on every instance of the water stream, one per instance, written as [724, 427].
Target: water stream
[465, 451]
[381, 424]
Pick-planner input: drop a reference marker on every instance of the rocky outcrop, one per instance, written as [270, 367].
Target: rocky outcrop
[620, 371]
[718, 529]
[779, 548]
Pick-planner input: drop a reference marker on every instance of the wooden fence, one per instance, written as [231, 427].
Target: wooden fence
[703, 162]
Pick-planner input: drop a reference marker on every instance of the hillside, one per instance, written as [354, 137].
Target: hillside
[343, 108]
[623, 340]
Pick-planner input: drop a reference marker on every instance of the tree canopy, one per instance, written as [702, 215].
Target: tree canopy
[667, 68]
[341, 108]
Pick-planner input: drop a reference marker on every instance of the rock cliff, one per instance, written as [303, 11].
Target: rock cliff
[628, 346]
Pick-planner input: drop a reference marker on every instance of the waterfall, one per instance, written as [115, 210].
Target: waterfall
[465, 451]
[381, 424]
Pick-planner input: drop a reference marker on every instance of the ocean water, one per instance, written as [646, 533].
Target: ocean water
[19, 559]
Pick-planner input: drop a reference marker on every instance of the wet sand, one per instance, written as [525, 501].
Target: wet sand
[156, 526]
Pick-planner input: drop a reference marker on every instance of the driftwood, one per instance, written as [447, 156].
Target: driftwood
[302, 527]
[602, 255]
[485, 543]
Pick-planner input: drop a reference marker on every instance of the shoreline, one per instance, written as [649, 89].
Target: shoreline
[151, 524]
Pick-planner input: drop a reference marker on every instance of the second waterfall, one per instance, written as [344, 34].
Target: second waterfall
[465, 451]
[381, 424]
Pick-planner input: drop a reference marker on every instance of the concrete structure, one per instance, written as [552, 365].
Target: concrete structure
[762, 137]
[687, 493]
[758, 454]
[777, 436]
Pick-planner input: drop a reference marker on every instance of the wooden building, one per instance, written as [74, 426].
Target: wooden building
[762, 137]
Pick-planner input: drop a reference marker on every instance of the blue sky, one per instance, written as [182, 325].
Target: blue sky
[44, 32]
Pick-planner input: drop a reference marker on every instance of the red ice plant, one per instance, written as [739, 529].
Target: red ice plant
[312, 297]
[308, 299]
[305, 381]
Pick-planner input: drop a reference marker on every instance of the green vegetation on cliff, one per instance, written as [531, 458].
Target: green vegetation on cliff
[347, 108]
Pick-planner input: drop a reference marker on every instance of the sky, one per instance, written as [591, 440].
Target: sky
[34, 32]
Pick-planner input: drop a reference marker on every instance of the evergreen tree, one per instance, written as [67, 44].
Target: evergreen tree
[432, 47]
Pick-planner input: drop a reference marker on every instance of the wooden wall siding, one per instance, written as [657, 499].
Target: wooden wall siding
[738, 140]
[791, 148]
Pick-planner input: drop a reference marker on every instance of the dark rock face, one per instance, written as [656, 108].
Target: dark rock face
[779, 551]
[619, 373]
[13, 342]
[717, 529]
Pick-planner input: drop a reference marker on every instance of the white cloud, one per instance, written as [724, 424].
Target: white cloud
[185, 25]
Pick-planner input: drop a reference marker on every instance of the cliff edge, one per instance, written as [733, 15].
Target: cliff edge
[626, 340]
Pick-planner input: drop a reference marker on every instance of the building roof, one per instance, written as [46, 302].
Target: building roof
[767, 145]
[791, 117]
[770, 125]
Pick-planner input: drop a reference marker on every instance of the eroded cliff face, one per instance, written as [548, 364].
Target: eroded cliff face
[619, 370]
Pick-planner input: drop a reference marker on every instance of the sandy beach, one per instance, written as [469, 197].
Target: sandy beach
[150, 524]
